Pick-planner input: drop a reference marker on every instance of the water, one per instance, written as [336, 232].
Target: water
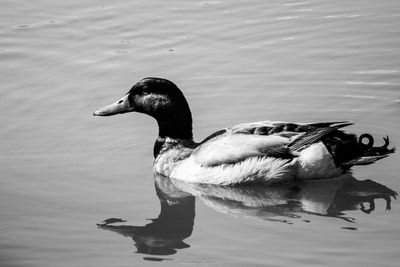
[63, 171]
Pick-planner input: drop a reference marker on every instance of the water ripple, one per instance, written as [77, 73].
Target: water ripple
[377, 71]
[369, 83]
[361, 96]
[297, 4]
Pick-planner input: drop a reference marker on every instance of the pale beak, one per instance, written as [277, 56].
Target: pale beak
[121, 106]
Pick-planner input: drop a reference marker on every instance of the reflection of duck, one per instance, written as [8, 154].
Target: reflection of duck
[324, 198]
[164, 235]
[262, 152]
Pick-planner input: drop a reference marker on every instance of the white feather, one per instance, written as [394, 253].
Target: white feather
[315, 162]
[253, 169]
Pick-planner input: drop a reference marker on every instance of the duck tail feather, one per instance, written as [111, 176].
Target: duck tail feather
[364, 160]
[368, 153]
[370, 150]
[314, 136]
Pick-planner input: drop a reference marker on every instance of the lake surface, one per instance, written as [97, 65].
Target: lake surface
[63, 171]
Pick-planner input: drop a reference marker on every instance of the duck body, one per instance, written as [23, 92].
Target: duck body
[265, 152]
[245, 154]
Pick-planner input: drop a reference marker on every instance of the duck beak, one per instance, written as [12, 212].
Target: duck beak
[119, 107]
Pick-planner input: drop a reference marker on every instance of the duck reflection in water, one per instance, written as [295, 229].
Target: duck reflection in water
[165, 234]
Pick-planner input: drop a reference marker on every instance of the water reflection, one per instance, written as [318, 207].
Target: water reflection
[329, 198]
[165, 234]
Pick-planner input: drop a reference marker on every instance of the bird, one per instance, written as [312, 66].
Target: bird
[264, 152]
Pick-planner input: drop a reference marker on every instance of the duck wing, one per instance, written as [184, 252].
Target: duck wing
[230, 148]
[272, 127]
[281, 127]
[260, 139]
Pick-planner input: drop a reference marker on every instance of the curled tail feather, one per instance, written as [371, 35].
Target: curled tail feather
[369, 153]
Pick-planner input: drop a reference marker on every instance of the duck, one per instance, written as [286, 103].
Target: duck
[264, 152]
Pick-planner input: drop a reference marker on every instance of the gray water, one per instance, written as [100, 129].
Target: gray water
[63, 171]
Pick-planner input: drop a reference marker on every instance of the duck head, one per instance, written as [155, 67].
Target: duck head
[162, 100]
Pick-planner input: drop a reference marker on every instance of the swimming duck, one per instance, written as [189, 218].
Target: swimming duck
[264, 152]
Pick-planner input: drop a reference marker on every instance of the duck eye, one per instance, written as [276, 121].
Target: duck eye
[119, 102]
[146, 92]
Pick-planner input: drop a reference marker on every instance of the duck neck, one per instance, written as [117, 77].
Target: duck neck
[178, 127]
[174, 127]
